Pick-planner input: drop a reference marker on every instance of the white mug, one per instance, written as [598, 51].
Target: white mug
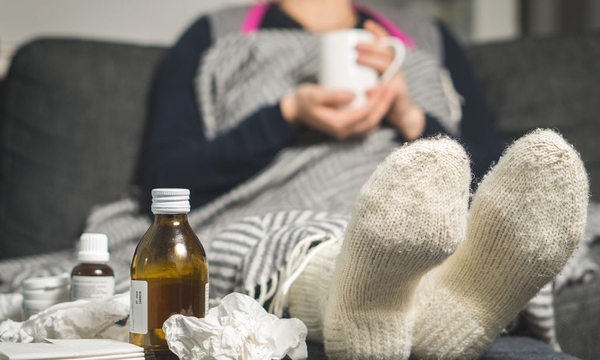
[338, 69]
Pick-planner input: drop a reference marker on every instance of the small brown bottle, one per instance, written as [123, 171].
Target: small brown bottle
[169, 273]
[93, 279]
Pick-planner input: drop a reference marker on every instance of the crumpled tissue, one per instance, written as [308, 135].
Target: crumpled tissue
[239, 328]
[10, 306]
[80, 319]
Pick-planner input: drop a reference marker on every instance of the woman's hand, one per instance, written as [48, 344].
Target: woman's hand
[403, 114]
[323, 110]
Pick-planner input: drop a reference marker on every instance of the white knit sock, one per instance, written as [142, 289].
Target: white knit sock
[526, 218]
[309, 293]
[409, 217]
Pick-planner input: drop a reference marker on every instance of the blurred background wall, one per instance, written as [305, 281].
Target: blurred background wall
[160, 21]
[551, 17]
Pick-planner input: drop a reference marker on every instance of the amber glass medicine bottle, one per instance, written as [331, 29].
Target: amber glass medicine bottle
[169, 273]
[93, 279]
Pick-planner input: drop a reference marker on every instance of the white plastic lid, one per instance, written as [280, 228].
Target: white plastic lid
[94, 248]
[170, 201]
[46, 283]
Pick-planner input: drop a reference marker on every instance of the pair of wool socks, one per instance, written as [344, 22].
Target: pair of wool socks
[403, 283]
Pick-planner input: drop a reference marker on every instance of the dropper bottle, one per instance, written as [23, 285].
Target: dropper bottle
[93, 279]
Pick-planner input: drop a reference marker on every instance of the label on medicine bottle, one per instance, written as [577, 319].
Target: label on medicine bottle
[139, 307]
[206, 295]
[92, 287]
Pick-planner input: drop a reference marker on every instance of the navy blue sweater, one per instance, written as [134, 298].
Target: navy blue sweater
[177, 153]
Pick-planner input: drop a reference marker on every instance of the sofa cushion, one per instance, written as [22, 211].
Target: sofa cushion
[504, 348]
[578, 316]
[73, 114]
[546, 82]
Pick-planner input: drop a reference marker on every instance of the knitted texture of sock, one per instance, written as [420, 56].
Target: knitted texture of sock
[309, 293]
[409, 217]
[526, 218]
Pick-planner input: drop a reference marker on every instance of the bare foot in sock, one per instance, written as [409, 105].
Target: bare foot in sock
[408, 218]
[527, 217]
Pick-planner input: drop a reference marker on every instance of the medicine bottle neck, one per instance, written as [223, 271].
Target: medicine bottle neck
[93, 262]
[170, 219]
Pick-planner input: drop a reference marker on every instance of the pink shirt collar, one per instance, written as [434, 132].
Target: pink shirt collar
[256, 13]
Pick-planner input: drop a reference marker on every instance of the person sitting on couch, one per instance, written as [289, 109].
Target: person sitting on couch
[237, 118]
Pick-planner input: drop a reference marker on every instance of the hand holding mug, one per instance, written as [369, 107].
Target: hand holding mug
[360, 82]
[403, 114]
[326, 110]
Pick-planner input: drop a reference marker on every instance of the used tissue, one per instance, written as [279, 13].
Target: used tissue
[239, 328]
[72, 320]
[10, 306]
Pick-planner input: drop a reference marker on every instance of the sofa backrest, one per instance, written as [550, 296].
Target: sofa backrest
[550, 83]
[73, 116]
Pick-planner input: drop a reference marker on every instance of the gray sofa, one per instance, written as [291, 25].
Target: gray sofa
[73, 115]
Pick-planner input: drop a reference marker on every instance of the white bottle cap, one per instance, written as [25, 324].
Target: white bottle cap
[94, 248]
[170, 201]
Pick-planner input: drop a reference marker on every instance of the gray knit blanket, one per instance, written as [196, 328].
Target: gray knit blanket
[252, 232]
